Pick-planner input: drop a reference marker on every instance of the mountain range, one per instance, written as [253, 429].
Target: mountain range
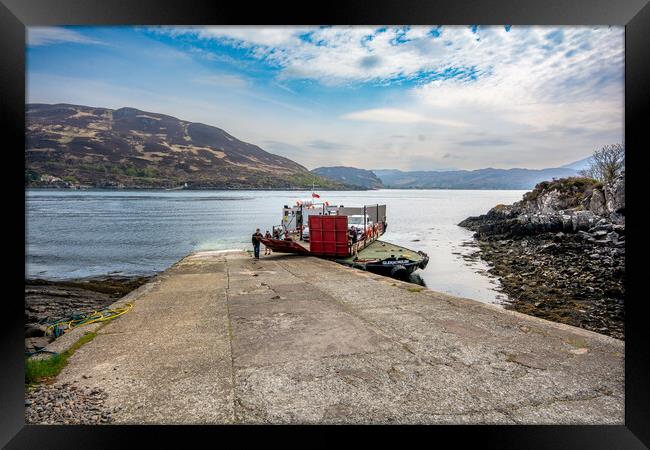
[450, 179]
[471, 179]
[73, 145]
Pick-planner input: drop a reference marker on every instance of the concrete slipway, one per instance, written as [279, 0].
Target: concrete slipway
[221, 338]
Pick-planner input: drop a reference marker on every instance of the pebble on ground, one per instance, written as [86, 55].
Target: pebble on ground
[60, 404]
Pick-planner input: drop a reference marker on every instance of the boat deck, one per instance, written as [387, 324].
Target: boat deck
[367, 251]
[381, 250]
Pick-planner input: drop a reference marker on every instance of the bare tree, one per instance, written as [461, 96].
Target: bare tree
[606, 163]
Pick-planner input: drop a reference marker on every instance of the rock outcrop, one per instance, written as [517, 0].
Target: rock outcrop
[560, 252]
[567, 205]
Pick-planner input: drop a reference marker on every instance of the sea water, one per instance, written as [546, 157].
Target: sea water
[75, 234]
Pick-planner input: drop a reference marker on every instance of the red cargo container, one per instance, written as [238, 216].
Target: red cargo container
[328, 235]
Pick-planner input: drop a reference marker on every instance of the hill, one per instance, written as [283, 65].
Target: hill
[470, 179]
[350, 175]
[70, 145]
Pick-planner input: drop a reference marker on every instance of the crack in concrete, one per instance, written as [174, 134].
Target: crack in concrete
[254, 406]
[230, 338]
[239, 405]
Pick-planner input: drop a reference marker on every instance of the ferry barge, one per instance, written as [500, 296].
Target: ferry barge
[347, 235]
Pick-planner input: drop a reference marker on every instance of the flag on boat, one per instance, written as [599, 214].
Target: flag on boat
[314, 195]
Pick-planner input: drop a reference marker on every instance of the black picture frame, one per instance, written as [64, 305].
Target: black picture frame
[15, 15]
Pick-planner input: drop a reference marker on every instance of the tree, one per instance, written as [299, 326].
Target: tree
[606, 163]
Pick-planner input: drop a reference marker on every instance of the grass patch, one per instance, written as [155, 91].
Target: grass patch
[415, 289]
[38, 370]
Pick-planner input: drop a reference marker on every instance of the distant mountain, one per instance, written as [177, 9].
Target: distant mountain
[350, 175]
[581, 164]
[471, 179]
[72, 145]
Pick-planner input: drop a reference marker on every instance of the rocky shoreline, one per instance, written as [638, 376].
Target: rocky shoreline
[50, 402]
[560, 252]
[47, 300]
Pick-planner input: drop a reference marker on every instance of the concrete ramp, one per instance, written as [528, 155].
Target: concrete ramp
[221, 338]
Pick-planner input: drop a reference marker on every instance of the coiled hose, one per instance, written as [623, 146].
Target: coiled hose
[77, 320]
[59, 327]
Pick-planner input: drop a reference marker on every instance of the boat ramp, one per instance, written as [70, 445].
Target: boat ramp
[221, 338]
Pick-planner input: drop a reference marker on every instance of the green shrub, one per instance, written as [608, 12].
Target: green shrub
[575, 188]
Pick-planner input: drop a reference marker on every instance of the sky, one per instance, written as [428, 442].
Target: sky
[380, 97]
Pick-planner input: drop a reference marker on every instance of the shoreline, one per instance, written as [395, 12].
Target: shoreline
[561, 279]
[47, 300]
[559, 253]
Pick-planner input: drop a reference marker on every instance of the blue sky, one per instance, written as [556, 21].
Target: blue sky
[411, 98]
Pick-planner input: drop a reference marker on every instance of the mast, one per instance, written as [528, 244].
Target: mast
[364, 220]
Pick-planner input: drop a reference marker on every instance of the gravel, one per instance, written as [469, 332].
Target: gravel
[60, 404]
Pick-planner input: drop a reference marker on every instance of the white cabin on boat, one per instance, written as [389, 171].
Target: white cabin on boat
[295, 218]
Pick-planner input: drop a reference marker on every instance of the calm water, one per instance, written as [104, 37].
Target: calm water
[74, 234]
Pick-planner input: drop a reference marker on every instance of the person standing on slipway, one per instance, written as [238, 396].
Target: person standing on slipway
[256, 243]
[267, 251]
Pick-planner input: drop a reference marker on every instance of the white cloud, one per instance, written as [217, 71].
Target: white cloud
[530, 97]
[249, 36]
[54, 35]
[552, 93]
[534, 84]
[355, 53]
[389, 115]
